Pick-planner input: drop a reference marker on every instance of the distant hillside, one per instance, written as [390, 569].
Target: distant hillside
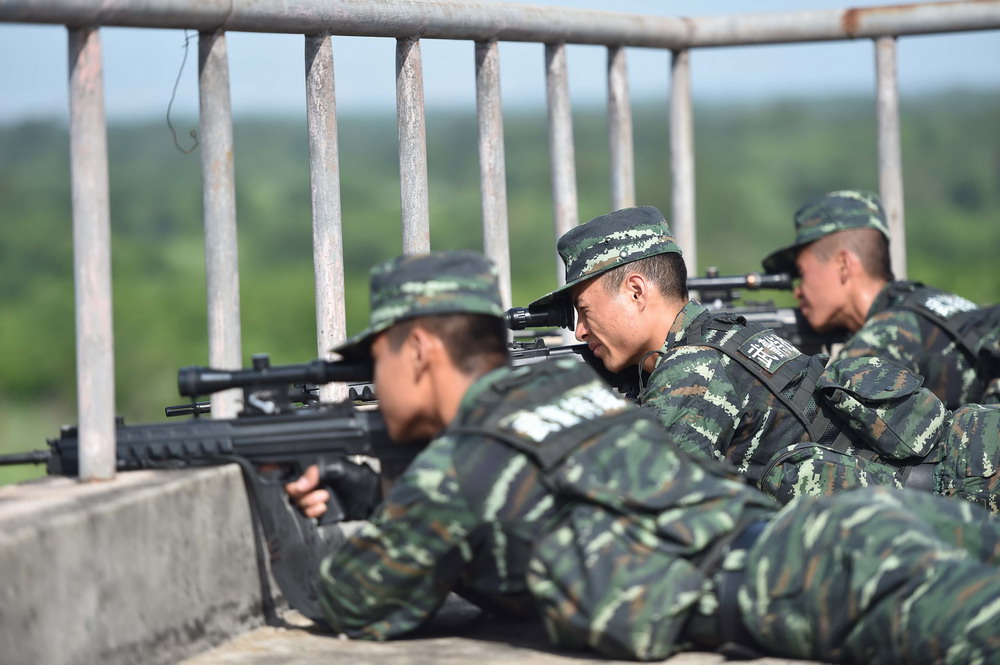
[755, 164]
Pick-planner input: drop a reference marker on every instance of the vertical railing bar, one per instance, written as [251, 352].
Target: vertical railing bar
[95, 361]
[562, 159]
[620, 131]
[324, 174]
[682, 220]
[412, 147]
[492, 169]
[219, 196]
[890, 159]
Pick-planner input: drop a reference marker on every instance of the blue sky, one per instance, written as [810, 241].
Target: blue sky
[266, 71]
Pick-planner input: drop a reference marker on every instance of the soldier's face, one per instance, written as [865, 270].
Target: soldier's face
[403, 403]
[608, 323]
[820, 290]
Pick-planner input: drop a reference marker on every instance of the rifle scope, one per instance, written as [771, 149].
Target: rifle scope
[195, 381]
[751, 280]
[558, 314]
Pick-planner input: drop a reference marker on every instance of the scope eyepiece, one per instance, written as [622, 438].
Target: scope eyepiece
[559, 314]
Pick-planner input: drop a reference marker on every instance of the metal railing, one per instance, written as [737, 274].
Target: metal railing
[409, 22]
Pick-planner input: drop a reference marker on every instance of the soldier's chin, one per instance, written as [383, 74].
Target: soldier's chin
[612, 365]
[818, 324]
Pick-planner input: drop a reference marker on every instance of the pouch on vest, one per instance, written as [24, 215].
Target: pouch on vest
[808, 468]
[885, 404]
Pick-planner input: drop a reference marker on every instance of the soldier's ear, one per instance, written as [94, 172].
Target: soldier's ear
[636, 288]
[846, 263]
[424, 348]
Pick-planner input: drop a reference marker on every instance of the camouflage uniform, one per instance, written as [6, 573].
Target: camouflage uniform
[777, 415]
[903, 322]
[550, 494]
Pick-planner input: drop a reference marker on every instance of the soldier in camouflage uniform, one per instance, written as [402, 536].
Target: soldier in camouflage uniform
[841, 252]
[731, 390]
[547, 494]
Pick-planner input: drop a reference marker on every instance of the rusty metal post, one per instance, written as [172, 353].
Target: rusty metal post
[682, 220]
[890, 157]
[95, 359]
[620, 130]
[412, 147]
[492, 168]
[219, 196]
[324, 173]
[562, 159]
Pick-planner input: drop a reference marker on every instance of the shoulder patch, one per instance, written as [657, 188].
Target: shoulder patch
[948, 304]
[769, 350]
[586, 402]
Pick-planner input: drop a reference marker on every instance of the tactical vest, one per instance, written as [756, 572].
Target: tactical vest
[549, 411]
[776, 364]
[568, 405]
[866, 421]
[975, 330]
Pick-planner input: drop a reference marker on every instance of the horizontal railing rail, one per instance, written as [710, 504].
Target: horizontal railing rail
[488, 21]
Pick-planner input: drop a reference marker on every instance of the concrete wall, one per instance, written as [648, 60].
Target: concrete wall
[149, 568]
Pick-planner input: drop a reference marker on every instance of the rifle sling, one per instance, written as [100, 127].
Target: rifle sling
[266, 599]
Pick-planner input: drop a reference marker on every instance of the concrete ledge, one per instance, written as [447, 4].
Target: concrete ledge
[160, 566]
[149, 568]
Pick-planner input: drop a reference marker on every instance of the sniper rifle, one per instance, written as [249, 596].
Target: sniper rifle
[272, 440]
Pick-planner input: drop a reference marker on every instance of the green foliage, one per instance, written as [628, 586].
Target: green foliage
[755, 163]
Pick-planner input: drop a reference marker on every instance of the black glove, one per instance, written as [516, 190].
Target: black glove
[354, 490]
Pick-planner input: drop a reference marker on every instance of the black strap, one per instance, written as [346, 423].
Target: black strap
[912, 296]
[266, 598]
[919, 477]
[775, 382]
[809, 410]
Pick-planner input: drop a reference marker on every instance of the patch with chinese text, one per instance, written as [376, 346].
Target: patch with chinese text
[583, 403]
[769, 350]
[947, 304]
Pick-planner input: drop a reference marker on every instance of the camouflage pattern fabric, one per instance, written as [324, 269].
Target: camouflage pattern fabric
[608, 241]
[455, 282]
[916, 342]
[826, 214]
[613, 544]
[970, 458]
[712, 406]
[469, 510]
[876, 576]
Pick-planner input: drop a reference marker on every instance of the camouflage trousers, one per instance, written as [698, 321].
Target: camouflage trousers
[876, 576]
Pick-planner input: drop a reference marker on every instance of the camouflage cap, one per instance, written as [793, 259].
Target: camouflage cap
[609, 241]
[457, 282]
[832, 212]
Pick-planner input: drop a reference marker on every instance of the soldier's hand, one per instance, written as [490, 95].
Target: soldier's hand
[305, 492]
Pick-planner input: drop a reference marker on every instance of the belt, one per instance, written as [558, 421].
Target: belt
[737, 641]
[920, 477]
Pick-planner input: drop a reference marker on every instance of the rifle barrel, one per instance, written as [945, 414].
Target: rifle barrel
[30, 457]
